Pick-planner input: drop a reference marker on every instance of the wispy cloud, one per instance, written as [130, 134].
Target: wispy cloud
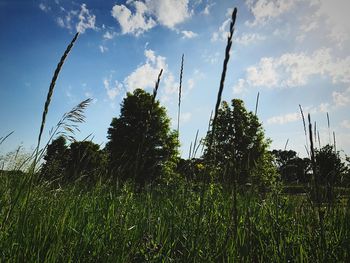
[295, 70]
[341, 99]
[86, 20]
[44, 7]
[249, 38]
[329, 18]
[206, 10]
[188, 34]
[283, 119]
[113, 88]
[81, 19]
[109, 35]
[265, 10]
[103, 49]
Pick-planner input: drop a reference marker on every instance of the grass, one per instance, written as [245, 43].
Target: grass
[107, 223]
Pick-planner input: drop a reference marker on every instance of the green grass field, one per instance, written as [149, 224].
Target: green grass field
[107, 223]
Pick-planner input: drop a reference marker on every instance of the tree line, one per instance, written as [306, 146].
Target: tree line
[143, 148]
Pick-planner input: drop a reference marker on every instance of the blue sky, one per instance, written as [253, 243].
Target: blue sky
[291, 51]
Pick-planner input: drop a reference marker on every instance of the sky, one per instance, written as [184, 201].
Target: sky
[290, 51]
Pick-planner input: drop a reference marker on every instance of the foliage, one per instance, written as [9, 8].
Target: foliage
[330, 171]
[69, 163]
[141, 143]
[330, 167]
[55, 159]
[265, 177]
[85, 159]
[238, 142]
[291, 167]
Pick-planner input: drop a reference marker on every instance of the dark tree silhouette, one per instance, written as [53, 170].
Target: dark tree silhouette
[141, 144]
[55, 159]
[85, 159]
[291, 167]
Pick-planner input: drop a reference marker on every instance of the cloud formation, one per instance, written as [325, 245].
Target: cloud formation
[81, 19]
[265, 10]
[188, 34]
[295, 69]
[149, 13]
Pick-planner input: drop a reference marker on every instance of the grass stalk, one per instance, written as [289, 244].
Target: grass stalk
[50, 92]
[180, 90]
[329, 129]
[257, 104]
[211, 137]
[305, 132]
[317, 192]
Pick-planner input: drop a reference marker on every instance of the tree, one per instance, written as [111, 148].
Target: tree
[238, 142]
[55, 159]
[141, 144]
[85, 159]
[330, 170]
[291, 167]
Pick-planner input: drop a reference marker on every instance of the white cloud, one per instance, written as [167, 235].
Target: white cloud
[211, 58]
[345, 124]
[249, 38]
[295, 116]
[239, 87]
[109, 35]
[145, 75]
[112, 89]
[133, 23]
[264, 74]
[169, 12]
[60, 21]
[222, 33]
[295, 69]
[82, 19]
[341, 98]
[206, 10]
[330, 18]
[103, 49]
[44, 7]
[264, 10]
[86, 20]
[148, 13]
[283, 119]
[188, 34]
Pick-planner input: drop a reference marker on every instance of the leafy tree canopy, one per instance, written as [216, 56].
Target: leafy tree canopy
[238, 141]
[141, 144]
[85, 159]
[330, 168]
[291, 167]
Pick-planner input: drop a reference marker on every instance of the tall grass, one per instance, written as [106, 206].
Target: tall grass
[111, 224]
[50, 92]
[180, 91]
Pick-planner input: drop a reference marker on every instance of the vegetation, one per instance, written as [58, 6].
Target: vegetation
[137, 201]
[141, 145]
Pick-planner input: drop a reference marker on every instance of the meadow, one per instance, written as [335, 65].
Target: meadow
[177, 218]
